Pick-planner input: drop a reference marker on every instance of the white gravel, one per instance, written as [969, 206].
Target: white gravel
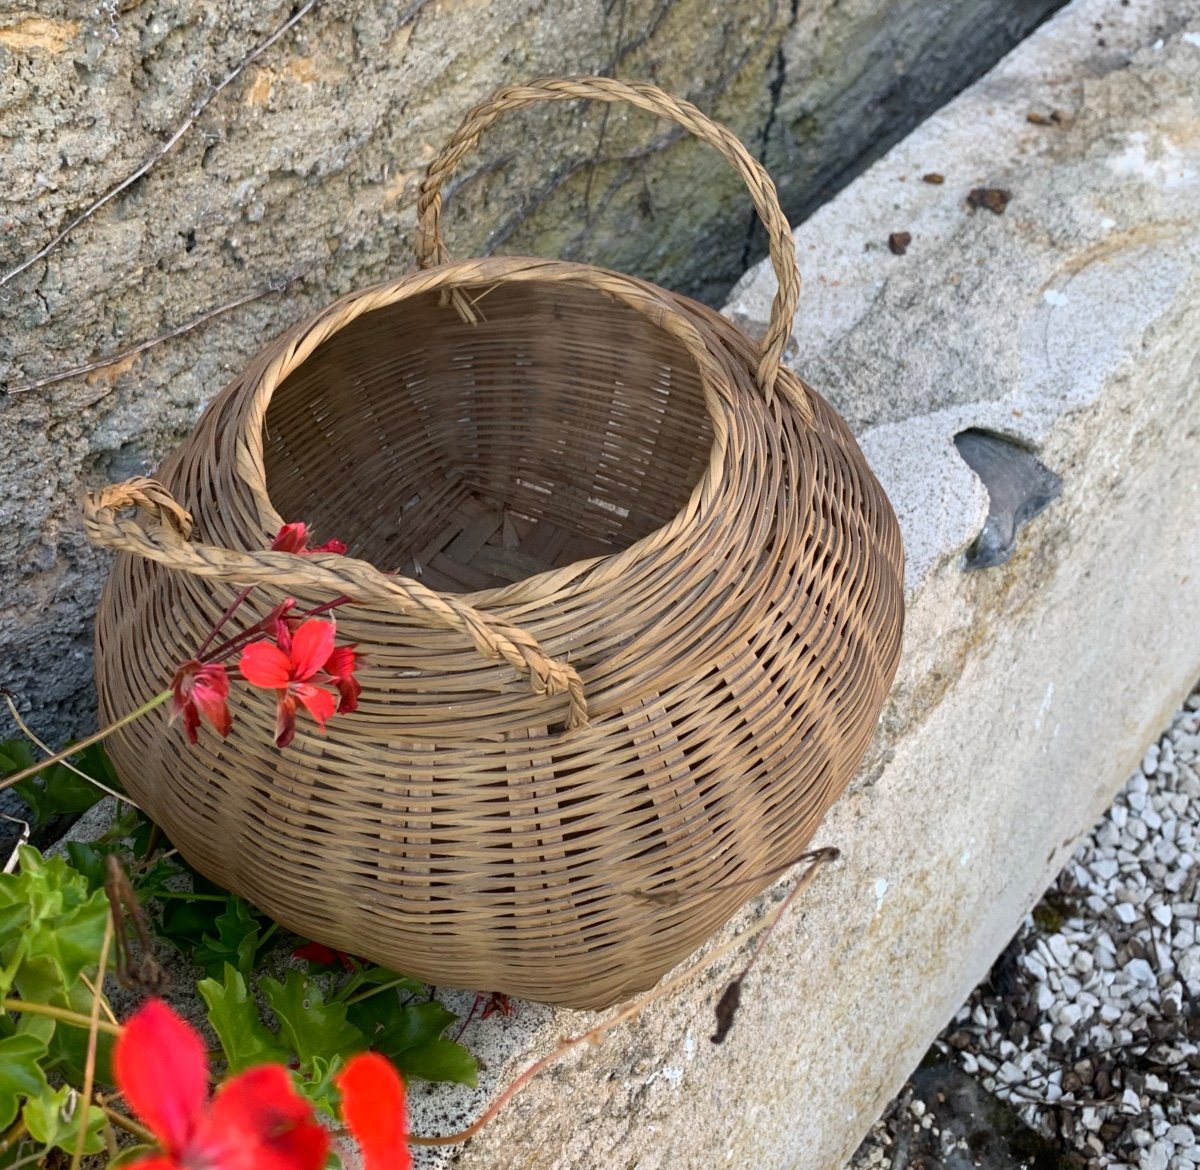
[1089, 1024]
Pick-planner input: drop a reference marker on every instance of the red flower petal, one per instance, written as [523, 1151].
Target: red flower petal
[312, 644]
[320, 704]
[316, 952]
[264, 665]
[373, 1108]
[340, 668]
[191, 722]
[210, 691]
[291, 538]
[154, 1162]
[285, 720]
[331, 546]
[162, 1068]
[259, 1122]
[349, 689]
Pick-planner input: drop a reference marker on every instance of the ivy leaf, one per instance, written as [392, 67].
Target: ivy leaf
[238, 932]
[91, 861]
[245, 1039]
[52, 1119]
[375, 976]
[184, 922]
[416, 1024]
[15, 756]
[20, 1074]
[68, 1045]
[310, 1026]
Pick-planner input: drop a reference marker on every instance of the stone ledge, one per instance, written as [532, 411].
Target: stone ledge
[1028, 691]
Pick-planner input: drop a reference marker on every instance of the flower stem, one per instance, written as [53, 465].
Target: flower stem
[89, 1070]
[223, 619]
[103, 733]
[376, 990]
[128, 1124]
[56, 1013]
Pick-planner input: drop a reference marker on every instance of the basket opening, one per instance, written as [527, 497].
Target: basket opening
[564, 425]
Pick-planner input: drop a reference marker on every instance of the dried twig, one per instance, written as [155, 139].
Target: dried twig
[28, 733]
[89, 1071]
[163, 150]
[143, 972]
[113, 358]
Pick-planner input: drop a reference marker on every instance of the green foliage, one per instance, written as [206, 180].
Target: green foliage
[51, 927]
[53, 1121]
[245, 1039]
[51, 931]
[309, 1026]
[21, 1074]
[57, 790]
[53, 915]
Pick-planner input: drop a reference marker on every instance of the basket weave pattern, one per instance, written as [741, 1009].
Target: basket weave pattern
[628, 595]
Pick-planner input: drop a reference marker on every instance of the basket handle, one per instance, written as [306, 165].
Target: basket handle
[166, 541]
[431, 250]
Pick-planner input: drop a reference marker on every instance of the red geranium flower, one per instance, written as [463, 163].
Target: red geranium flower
[293, 668]
[256, 1121]
[373, 1107]
[199, 689]
[293, 538]
[316, 952]
[339, 670]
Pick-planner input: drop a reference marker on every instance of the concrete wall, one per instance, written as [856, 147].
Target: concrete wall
[302, 171]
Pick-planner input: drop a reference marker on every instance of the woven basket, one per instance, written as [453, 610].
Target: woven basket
[628, 595]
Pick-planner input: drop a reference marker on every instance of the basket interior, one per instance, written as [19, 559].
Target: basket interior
[563, 425]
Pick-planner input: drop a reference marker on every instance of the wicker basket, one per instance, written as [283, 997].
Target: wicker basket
[629, 597]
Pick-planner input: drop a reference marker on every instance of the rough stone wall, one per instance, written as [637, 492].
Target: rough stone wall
[294, 185]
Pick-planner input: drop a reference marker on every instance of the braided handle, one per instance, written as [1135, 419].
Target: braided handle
[166, 541]
[431, 250]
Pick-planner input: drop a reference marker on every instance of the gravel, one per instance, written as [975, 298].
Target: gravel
[1088, 1026]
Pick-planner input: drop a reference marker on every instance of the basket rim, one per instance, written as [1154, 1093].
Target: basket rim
[713, 363]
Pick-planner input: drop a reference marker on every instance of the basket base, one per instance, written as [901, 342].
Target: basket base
[484, 546]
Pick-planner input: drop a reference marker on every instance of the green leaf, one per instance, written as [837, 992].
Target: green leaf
[91, 861]
[184, 923]
[127, 1156]
[416, 1024]
[15, 756]
[20, 1074]
[53, 1120]
[51, 927]
[238, 932]
[318, 1088]
[234, 1017]
[374, 976]
[438, 1060]
[411, 1040]
[56, 789]
[310, 1026]
[68, 1044]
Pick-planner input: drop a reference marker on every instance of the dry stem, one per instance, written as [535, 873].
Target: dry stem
[162, 151]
